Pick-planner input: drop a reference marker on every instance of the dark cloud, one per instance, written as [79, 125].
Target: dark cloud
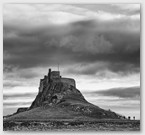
[11, 84]
[14, 96]
[23, 77]
[110, 8]
[85, 42]
[15, 104]
[131, 92]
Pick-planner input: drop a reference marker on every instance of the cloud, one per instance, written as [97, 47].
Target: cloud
[93, 45]
[16, 72]
[126, 9]
[17, 95]
[12, 100]
[12, 105]
[130, 92]
[81, 44]
[69, 41]
[10, 84]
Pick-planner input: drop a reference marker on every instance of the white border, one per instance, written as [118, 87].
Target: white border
[74, 2]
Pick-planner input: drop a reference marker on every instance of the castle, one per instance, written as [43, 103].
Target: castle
[54, 76]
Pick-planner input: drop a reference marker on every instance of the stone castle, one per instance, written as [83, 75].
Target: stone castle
[54, 76]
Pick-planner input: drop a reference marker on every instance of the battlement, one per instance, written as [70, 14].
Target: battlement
[54, 76]
[69, 81]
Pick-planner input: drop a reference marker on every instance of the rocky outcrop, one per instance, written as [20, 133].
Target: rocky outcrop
[19, 110]
[55, 89]
[61, 100]
[55, 93]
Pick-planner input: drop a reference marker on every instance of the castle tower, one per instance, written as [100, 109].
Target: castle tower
[49, 74]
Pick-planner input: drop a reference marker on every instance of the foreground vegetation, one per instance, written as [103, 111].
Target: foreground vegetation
[65, 125]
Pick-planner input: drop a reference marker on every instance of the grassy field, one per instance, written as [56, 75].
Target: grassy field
[72, 125]
[72, 117]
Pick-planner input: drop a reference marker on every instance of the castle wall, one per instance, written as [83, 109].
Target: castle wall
[43, 82]
[69, 81]
[41, 86]
[56, 80]
[55, 75]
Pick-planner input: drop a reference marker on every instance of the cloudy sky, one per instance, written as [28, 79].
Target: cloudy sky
[97, 45]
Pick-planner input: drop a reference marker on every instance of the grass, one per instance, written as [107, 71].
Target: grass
[73, 125]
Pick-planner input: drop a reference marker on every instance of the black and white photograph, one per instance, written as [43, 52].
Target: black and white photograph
[71, 67]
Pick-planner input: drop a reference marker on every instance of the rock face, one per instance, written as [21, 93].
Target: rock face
[54, 89]
[58, 98]
[22, 110]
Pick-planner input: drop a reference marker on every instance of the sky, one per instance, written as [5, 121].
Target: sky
[96, 44]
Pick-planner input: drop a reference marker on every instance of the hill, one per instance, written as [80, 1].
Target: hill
[58, 98]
